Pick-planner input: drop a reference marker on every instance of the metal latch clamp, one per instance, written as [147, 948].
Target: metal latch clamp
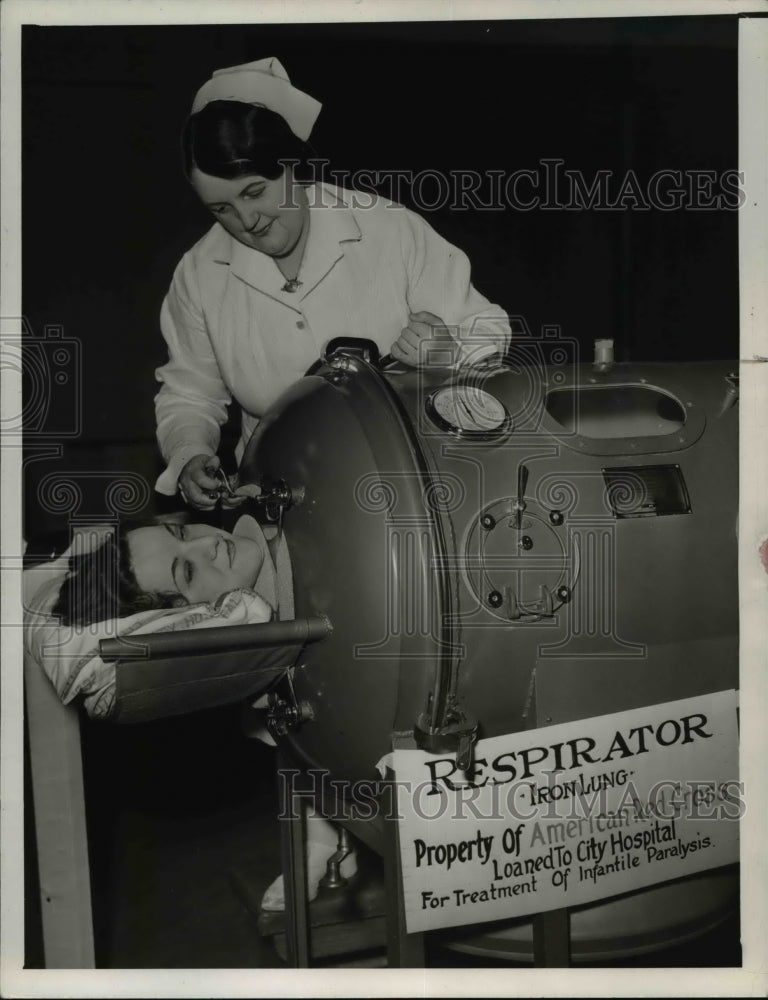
[458, 733]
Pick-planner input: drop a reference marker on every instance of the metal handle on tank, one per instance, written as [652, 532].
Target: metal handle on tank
[215, 640]
[522, 485]
[358, 347]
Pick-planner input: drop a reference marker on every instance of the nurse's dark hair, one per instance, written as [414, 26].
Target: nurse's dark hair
[230, 139]
[101, 584]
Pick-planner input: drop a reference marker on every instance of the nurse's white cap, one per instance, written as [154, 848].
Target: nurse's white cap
[264, 83]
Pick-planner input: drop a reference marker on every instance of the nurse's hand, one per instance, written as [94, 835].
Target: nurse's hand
[421, 326]
[198, 484]
[237, 494]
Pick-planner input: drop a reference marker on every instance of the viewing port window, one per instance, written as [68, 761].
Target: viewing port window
[615, 411]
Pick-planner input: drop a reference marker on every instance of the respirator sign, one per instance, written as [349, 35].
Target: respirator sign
[569, 814]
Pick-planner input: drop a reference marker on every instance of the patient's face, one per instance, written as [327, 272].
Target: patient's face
[195, 560]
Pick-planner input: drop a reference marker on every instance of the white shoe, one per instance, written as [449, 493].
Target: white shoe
[317, 859]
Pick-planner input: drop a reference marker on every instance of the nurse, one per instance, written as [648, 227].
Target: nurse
[287, 266]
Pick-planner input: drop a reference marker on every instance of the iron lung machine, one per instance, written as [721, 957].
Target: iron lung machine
[504, 547]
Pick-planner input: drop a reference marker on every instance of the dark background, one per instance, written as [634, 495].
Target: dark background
[107, 212]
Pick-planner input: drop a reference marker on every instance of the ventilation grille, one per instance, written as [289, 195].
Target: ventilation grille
[646, 491]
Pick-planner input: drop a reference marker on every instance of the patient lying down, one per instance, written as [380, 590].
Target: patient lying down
[172, 564]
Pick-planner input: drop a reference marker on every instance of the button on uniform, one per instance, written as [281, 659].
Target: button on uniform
[300, 324]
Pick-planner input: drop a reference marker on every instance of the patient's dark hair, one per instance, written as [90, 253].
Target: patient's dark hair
[230, 139]
[101, 585]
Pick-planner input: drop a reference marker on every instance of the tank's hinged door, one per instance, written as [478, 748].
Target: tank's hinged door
[340, 466]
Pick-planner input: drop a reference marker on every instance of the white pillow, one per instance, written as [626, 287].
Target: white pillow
[69, 655]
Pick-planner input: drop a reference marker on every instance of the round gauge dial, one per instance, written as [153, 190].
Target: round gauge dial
[468, 410]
